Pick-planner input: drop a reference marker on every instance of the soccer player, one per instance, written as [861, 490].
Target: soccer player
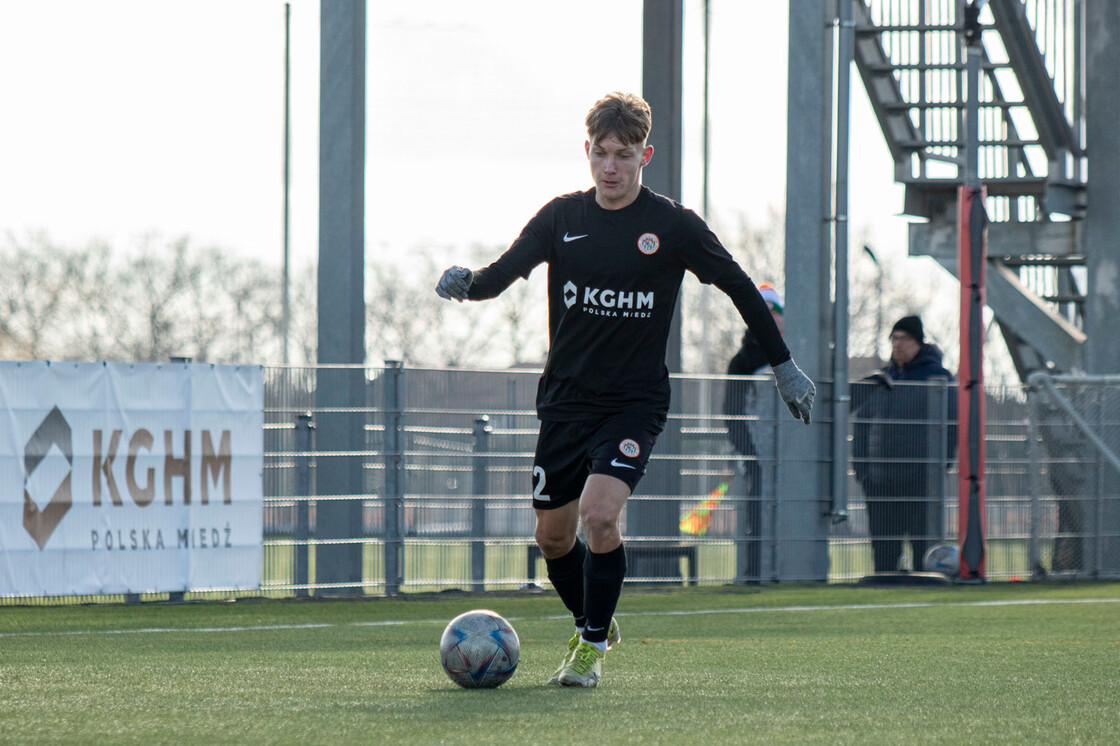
[616, 257]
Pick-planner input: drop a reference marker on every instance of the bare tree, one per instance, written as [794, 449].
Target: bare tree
[407, 321]
[235, 309]
[33, 291]
[304, 325]
[520, 315]
[397, 326]
[93, 305]
[170, 298]
[167, 300]
[760, 250]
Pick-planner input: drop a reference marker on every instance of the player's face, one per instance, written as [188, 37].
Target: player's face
[616, 170]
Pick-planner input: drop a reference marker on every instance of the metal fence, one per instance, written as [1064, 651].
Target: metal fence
[393, 480]
[439, 483]
[1075, 498]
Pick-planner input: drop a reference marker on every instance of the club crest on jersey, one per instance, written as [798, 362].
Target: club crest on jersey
[648, 243]
[630, 448]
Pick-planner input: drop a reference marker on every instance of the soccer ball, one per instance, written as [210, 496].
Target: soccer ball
[479, 650]
[943, 558]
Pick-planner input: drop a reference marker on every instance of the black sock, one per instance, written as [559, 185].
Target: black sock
[566, 575]
[603, 585]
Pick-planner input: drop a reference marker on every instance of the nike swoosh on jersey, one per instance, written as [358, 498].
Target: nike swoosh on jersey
[569, 239]
[616, 462]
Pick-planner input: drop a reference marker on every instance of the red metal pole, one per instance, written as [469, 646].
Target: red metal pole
[972, 220]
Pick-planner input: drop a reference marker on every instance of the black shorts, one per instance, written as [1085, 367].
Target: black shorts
[617, 444]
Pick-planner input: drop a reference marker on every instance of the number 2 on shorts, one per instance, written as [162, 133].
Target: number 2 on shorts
[538, 485]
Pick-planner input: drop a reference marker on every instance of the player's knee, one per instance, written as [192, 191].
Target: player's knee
[553, 543]
[598, 522]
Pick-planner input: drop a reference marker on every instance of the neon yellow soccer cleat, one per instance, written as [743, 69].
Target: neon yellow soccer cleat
[585, 667]
[613, 636]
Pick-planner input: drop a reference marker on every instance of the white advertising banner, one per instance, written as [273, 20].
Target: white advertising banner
[129, 478]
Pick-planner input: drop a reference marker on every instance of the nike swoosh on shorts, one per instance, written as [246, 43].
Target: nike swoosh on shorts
[616, 462]
[569, 239]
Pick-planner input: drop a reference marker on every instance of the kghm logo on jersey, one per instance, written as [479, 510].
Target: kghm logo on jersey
[626, 304]
[630, 448]
[571, 292]
[648, 243]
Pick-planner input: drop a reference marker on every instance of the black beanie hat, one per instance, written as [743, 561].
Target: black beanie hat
[911, 325]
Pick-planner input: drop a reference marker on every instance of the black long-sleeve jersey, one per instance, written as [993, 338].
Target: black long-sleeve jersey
[613, 281]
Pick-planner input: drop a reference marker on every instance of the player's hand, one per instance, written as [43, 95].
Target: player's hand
[796, 390]
[455, 283]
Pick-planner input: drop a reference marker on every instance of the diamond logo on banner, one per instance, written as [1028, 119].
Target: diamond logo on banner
[47, 462]
[42, 484]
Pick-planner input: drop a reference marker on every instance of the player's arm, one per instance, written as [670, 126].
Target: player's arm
[712, 263]
[750, 304]
[795, 388]
[519, 260]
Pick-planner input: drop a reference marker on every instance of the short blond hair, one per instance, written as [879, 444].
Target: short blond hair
[624, 115]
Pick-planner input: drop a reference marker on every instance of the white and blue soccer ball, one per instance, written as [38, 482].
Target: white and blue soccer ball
[943, 558]
[479, 650]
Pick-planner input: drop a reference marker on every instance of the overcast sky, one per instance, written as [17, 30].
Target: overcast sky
[124, 118]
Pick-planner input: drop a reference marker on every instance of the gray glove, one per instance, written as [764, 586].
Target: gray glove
[796, 390]
[455, 283]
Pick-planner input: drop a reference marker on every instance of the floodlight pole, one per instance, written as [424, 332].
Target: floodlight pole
[800, 501]
[705, 290]
[707, 129]
[340, 382]
[841, 391]
[286, 313]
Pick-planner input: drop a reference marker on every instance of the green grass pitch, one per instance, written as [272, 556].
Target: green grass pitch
[1002, 663]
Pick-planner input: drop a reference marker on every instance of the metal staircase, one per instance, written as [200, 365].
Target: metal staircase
[1031, 161]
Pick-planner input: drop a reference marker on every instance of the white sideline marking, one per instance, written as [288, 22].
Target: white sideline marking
[693, 612]
[856, 607]
[158, 630]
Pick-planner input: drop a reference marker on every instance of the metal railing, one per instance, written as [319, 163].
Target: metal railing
[1075, 507]
[1031, 107]
[446, 481]
[441, 483]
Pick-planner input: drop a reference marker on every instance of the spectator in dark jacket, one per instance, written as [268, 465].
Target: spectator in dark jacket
[896, 459]
[742, 397]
